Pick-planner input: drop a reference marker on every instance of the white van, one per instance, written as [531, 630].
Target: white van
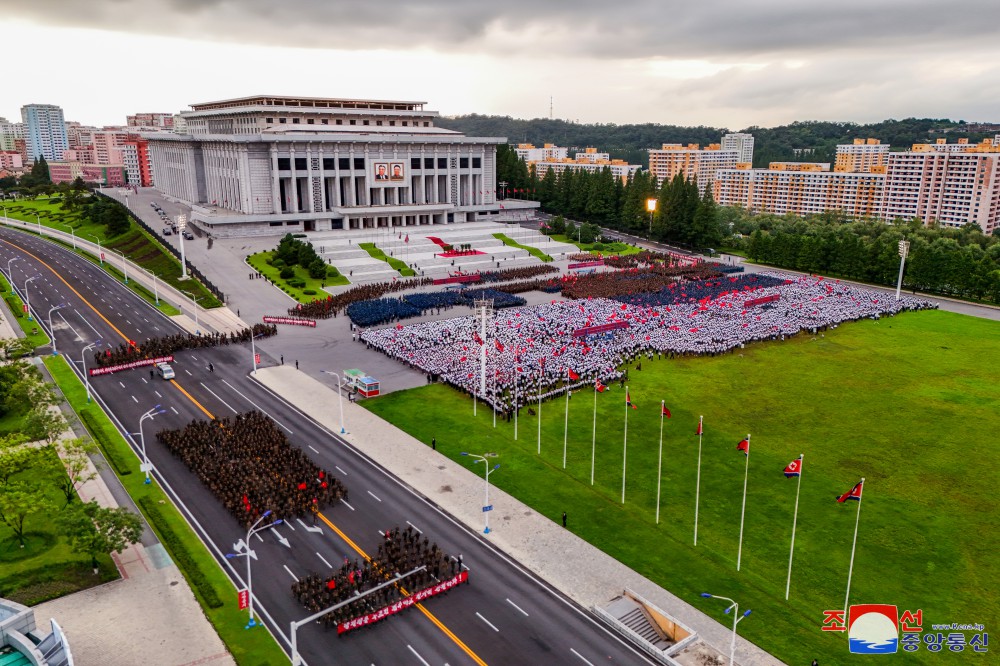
[164, 370]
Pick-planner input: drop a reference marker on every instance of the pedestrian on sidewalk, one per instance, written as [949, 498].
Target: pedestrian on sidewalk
[296, 364]
[282, 359]
[434, 443]
[564, 519]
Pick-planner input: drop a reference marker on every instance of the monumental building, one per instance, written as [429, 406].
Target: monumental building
[268, 164]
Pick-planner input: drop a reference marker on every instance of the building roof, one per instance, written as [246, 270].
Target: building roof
[309, 102]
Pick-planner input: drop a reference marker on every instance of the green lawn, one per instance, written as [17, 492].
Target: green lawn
[259, 262]
[46, 567]
[533, 251]
[208, 581]
[32, 331]
[396, 264]
[608, 249]
[136, 244]
[909, 402]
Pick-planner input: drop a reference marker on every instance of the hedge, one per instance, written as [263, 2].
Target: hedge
[111, 452]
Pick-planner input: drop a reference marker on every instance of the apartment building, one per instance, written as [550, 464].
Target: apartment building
[589, 160]
[861, 156]
[696, 162]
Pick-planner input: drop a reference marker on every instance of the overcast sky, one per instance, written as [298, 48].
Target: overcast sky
[725, 63]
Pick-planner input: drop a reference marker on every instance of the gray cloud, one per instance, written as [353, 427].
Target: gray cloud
[711, 29]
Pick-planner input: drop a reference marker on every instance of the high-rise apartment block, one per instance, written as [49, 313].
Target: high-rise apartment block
[862, 156]
[547, 153]
[44, 131]
[9, 133]
[553, 158]
[951, 184]
[700, 163]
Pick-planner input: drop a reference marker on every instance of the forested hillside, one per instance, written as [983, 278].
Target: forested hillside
[630, 142]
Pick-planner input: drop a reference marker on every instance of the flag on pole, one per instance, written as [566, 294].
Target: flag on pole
[699, 430]
[665, 412]
[573, 375]
[794, 468]
[744, 446]
[853, 494]
[407, 239]
[628, 401]
[499, 347]
[475, 336]
[599, 387]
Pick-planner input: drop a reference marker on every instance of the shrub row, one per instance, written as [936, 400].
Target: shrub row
[111, 452]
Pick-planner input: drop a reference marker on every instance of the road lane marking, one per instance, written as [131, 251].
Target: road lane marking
[96, 332]
[120, 384]
[157, 393]
[340, 470]
[257, 406]
[414, 527]
[75, 332]
[144, 380]
[313, 448]
[324, 560]
[174, 410]
[374, 495]
[190, 397]
[218, 398]
[580, 656]
[417, 655]
[290, 573]
[490, 624]
[136, 401]
[348, 505]
[517, 607]
[189, 372]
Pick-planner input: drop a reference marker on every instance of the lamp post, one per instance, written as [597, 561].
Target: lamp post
[83, 362]
[156, 291]
[486, 505]
[737, 618]
[250, 554]
[27, 296]
[194, 307]
[340, 398]
[10, 276]
[904, 249]
[651, 207]
[253, 351]
[72, 232]
[145, 459]
[100, 250]
[38, 221]
[124, 264]
[52, 332]
[181, 227]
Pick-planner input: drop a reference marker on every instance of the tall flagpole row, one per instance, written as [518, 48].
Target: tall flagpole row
[625, 445]
[659, 464]
[795, 520]
[743, 512]
[593, 438]
[697, 487]
[850, 570]
[566, 428]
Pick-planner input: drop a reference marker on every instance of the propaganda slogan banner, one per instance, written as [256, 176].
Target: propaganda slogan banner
[94, 372]
[291, 321]
[402, 604]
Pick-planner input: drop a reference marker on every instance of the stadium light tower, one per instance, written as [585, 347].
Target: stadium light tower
[904, 249]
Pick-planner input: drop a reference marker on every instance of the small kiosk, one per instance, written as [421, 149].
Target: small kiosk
[358, 381]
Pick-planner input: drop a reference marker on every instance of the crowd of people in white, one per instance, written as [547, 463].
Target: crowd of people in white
[531, 351]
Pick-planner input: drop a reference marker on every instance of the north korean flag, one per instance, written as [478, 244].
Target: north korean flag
[665, 411]
[698, 431]
[599, 387]
[854, 493]
[794, 468]
[628, 400]
[744, 446]
[573, 375]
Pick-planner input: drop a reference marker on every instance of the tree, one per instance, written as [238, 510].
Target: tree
[94, 530]
[72, 467]
[704, 225]
[18, 502]
[317, 268]
[15, 458]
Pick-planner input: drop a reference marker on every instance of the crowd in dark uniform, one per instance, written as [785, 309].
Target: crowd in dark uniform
[399, 552]
[249, 465]
[170, 344]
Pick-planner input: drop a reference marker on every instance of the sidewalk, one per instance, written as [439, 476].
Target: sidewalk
[149, 616]
[579, 570]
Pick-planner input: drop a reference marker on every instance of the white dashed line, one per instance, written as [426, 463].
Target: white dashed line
[490, 624]
[417, 655]
[313, 448]
[517, 607]
[324, 560]
[414, 527]
[190, 375]
[157, 394]
[257, 406]
[174, 410]
[218, 398]
[136, 400]
[120, 384]
[580, 656]
[290, 573]
[340, 470]
[351, 508]
[374, 495]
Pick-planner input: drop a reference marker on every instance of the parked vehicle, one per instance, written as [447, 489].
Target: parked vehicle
[164, 370]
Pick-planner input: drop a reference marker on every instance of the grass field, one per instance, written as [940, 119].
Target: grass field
[259, 262]
[208, 581]
[910, 403]
[135, 244]
[533, 251]
[396, 264]
[609, 249]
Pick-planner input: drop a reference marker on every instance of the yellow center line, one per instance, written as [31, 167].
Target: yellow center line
[71, 288]
[192, 399]
[430, 616]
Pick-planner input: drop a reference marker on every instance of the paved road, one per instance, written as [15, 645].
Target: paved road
[505, 616]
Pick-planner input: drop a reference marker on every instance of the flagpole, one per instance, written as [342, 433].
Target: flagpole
[539, 417]
[517, 381]
[566, 428]
[743, 512]
[625, 445]
[697, 487]
[494, 397]
[795, 520]
[850, 570]
[659, 464]
[593, 439]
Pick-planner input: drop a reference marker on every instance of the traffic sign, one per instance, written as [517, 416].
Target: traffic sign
[145, 467]
[256, 359]
[243, 597]
[487, 508]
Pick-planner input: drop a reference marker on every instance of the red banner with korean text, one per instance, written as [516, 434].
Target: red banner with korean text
[291, 321]
[94, 372]
[402, 604]
[760, 301]
[602, 328]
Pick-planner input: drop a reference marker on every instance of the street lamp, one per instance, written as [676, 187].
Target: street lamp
[100, 250]
[340, 398]
[651, 207]
[83, 362]
[10, 276]
[904, 249]
[737, 618]
[52, 331]
[194, 307]
[250, 554]
[486, 505]
[124, 263]
[146, 466]
[27, 296]
[72, 231]
[156, 291]
[181, 227]
[38, 221]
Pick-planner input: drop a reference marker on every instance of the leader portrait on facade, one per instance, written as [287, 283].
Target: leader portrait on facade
[381, 171]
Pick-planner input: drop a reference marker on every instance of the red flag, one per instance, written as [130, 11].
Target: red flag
[628, 400]
[665, 411]
[407, 239]
[744, 446]
[331, 584]
[499, 346]
[475, 336]
[599, 386]
[573, 375]
[853, 494]
[698, 431]
[794, 468]
[302, 486]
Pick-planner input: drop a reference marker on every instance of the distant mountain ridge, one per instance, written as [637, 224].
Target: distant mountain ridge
[782, 143]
